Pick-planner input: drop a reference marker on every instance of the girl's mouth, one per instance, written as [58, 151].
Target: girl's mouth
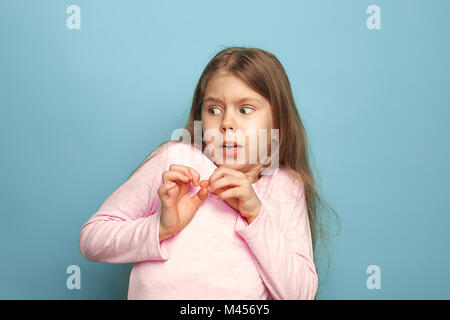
[230, 150]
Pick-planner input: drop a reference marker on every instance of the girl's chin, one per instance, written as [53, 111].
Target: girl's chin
[231, 165]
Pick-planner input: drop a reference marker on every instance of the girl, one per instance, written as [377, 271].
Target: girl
[199, 227]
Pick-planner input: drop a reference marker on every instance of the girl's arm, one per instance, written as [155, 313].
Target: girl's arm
[125, 229]
[283, 250]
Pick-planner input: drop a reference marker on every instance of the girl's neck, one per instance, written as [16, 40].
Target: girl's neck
[254, 174]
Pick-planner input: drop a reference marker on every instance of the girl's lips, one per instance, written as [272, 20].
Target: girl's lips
[225, 151]
[230, 143]
[230, 152]
[230, 147]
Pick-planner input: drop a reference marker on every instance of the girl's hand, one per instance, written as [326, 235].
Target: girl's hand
[233, 187]
[177, 206]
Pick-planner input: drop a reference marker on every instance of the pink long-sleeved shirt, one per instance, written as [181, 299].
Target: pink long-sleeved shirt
[218, 255]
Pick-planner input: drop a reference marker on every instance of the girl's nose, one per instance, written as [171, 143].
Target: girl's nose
[228, 122]
[227, 127]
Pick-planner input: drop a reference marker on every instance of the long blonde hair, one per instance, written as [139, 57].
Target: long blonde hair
[264, 73]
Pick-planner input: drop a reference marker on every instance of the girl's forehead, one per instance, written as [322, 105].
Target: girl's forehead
[228, 78]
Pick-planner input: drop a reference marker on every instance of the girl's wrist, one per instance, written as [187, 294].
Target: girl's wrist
[163, 233]
[251, 217]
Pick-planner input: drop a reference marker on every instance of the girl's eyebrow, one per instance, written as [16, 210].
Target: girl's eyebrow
[240, 100]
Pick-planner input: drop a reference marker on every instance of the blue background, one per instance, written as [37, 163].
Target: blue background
[81, 109]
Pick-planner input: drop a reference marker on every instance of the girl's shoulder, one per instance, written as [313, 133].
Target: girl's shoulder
[158, 156]
[168, 148]
[286, 177]
[178, 146]
[285, 184]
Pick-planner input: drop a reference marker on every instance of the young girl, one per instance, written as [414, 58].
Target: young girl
[199, 227]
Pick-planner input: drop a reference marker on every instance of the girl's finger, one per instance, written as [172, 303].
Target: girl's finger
[204, 183]
[174, 176]
[226, 181]
[202, 195]
[196, 176]
[170, 185]
[230, 193]
[181, 168]
[223, 171]
[166, 188]
[172, 189]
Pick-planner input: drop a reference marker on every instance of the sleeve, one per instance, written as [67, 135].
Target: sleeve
[283, 251]
[125, 229]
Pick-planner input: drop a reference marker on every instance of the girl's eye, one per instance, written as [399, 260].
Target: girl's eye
[209, 110]
[251, 110]
[248, 108]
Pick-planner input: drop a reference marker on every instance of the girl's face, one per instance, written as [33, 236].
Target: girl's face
[229, 106]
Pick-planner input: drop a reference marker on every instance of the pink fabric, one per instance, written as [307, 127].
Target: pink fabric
[217, 255]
